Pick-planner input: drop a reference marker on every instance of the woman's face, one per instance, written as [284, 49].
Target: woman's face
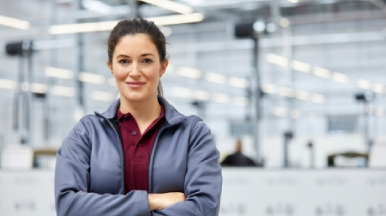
[136, 67]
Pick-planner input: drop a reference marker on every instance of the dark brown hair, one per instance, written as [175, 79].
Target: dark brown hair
[138, 26]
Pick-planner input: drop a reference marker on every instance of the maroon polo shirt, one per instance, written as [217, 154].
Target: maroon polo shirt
[137, 149]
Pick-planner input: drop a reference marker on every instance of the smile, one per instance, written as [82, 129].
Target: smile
[135, 84]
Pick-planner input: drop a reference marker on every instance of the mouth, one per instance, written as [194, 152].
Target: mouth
[135, 84]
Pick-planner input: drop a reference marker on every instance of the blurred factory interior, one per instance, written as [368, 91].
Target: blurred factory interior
[301, 82]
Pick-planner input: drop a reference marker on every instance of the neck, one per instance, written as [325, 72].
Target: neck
[142, 111]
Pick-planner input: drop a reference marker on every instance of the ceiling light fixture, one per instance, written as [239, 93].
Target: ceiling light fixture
[181, 92]
[58, 73]
[14, 23]
[189, 72]
[363, 84]
[268, 88]
[221, 98]
[318, 98]
[302, 95]
[215, 77]
[91, 78]
[201, 95]
[339, 77]
[279, 111]
[238, 82]
[38, 88]
[63, 91]
[169, 5]
[109, 25]
[287, 92]
[276, 59]
[321, 72]
[378, 88]
[7, 84]
[301, 66]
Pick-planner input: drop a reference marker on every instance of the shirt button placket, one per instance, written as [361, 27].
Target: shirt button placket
[134, 133]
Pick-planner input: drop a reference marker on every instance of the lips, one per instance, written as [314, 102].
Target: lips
[135, 84]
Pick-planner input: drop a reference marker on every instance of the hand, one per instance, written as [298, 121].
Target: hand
[161, 201]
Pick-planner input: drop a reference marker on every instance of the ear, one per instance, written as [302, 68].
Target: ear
[164, 65]
[110, 66]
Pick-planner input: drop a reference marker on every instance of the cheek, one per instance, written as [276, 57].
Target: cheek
[119, 74]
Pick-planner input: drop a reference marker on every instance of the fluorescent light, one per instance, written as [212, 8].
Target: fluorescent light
[363, 84]
[38, 88]
[201, 95]
[279, 111]
[109, 25]
[287, 92]
[215, 77]
[220, 98]
[58, 73]
[63, 91]
[102, 96]
[339, 77]
[91, 78]
[189, 72]
[321, 72]
[177, 19]
[302, 95]
[293, 1]
[268, 88]
[170, 68]
[112, 82]
[238, 82]
[276, 59]
[169, 5]
[318, 98]
[7, 84]
[284, 22]
[82, 27]
[240, 101]
[181, 92]
[15, 23]
[97, 6]
[378, 88]
[296, 114]
[301, 66]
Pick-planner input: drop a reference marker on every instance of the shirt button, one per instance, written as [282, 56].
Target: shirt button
[134, 133]
[139, 144]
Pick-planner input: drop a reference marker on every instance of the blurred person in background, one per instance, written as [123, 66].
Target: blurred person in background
[238, 159]
[141, 156]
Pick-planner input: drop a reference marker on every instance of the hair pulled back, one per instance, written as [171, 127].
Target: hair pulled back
[137, 26]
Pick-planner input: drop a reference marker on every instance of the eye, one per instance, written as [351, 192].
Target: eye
[123, 61]
[147, 61]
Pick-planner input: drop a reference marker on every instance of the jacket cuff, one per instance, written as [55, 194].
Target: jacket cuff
[143, 203]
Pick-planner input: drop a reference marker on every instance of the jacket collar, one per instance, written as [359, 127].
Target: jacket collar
[172, 116]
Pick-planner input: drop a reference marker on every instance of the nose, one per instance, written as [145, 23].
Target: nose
[135, 70]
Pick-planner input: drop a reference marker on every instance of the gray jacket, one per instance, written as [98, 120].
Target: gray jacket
[89, 174]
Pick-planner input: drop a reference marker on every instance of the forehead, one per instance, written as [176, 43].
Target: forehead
[138, 43]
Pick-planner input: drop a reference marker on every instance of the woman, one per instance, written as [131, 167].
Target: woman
[140, 157]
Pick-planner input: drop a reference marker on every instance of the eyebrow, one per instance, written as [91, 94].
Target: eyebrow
[125, 56]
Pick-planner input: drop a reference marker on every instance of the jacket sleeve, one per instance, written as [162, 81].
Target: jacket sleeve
[203, 180]
[72, 183]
